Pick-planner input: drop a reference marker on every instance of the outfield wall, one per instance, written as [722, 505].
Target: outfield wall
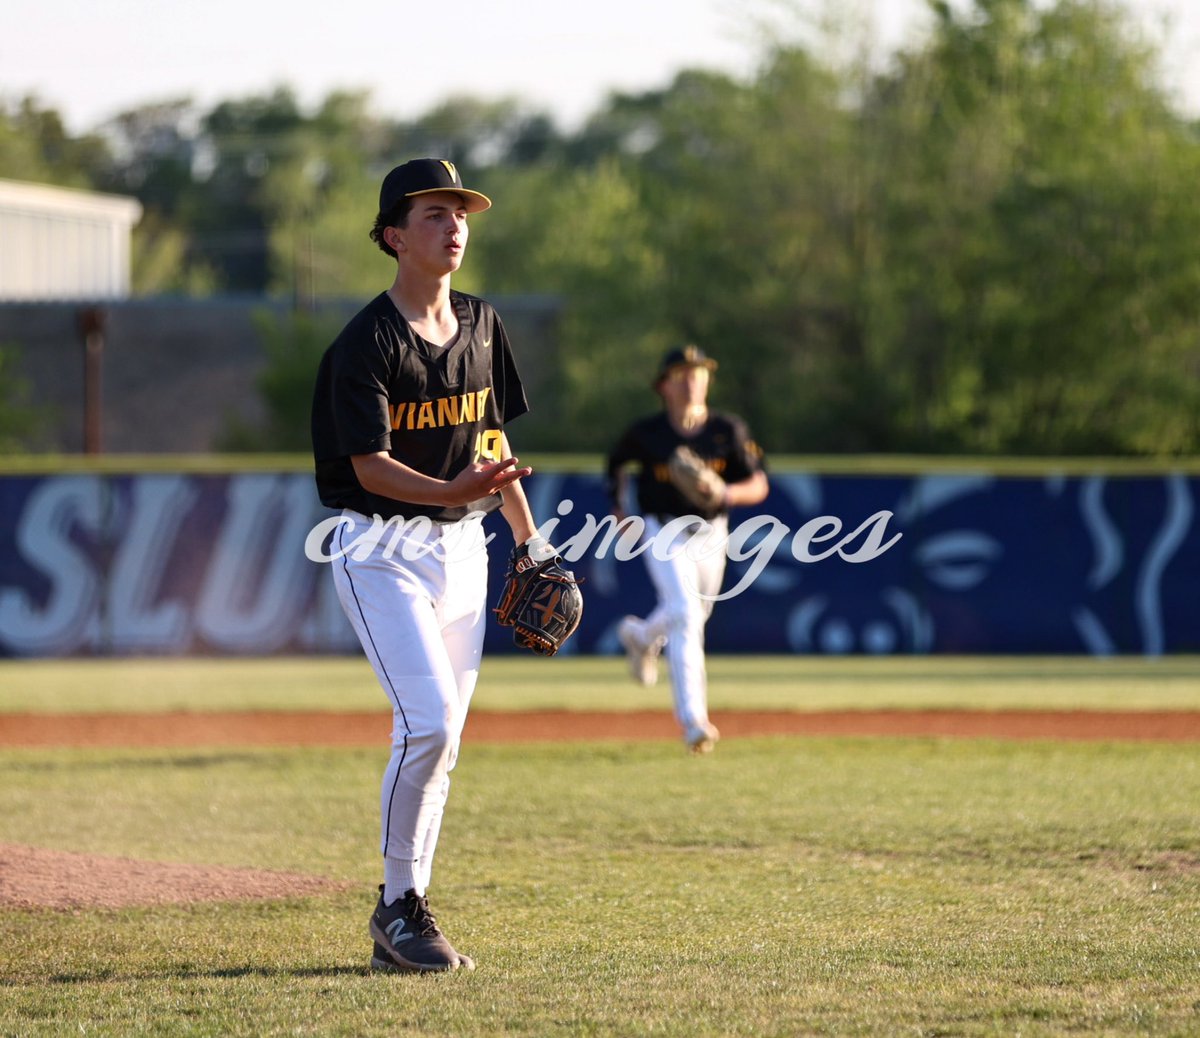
[164, 563]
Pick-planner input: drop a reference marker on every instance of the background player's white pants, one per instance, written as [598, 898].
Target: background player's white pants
[681, 613]
[421, 623]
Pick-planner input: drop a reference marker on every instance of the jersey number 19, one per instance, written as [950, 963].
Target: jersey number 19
[487, 445]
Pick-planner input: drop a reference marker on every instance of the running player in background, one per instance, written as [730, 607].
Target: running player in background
[408, 420]
[681, 581]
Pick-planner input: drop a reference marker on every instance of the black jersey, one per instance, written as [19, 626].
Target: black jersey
[437, 409]
[724, 442]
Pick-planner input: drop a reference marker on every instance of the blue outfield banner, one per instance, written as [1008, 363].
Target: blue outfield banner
[154, 564]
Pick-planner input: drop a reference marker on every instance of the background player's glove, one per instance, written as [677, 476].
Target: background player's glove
[541, 600]
[695, 480]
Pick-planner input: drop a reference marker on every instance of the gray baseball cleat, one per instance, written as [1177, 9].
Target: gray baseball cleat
[702, 738]
[641, 655]
[407, 938]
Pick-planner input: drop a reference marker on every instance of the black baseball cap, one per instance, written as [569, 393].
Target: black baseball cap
[684, 357]
[423, 177]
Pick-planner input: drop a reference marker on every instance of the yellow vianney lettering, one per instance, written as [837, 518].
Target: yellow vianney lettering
[435, 414]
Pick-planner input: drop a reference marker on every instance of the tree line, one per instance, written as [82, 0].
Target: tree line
[991, 246]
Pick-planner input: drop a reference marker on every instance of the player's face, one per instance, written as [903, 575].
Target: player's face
[685, 387]
[435, 238]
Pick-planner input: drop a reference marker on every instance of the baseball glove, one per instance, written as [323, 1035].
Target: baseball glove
[695, 480]
[540, 602]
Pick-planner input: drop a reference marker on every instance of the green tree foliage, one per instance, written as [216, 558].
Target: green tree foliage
[989, 247]
[581, 234]
[35, 145]
[162, 261]
[1036, 288]
[314, 193]
[152, 152]
[754, 190]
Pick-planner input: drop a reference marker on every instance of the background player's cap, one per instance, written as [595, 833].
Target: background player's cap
[684, 357]
[423, 177]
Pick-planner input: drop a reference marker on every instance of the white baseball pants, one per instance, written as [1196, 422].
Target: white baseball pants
[684, 570]
[417, 602]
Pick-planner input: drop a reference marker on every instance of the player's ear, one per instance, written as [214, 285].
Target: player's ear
[394, 237]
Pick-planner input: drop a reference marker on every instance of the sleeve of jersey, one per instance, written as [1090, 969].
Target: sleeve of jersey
[506, 379]
[747, 456]
[622, 453]
[359, 377]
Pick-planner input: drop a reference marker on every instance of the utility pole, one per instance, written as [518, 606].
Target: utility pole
[92, 321]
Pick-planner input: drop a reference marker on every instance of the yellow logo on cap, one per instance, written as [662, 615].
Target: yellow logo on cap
[450, 169]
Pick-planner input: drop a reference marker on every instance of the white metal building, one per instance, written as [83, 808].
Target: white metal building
[57, 243]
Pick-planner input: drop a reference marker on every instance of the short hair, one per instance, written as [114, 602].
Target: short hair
[397, 216]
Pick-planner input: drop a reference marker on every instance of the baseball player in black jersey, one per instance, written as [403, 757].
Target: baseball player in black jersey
[408, 420]
[691, 462]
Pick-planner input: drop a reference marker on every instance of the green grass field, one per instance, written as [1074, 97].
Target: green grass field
[782, 886]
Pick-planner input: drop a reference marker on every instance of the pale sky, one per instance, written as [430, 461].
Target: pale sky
[90, 59]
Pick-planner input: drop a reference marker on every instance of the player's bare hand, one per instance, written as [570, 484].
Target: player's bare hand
[482, 479]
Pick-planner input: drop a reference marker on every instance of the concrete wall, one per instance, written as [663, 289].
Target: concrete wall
[178, 372]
